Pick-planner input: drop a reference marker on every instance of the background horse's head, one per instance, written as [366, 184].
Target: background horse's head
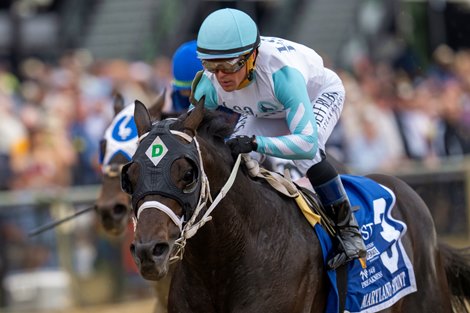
[113, 205]
[167, 181]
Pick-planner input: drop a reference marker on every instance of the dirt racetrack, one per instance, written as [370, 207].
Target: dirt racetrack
[141, 306]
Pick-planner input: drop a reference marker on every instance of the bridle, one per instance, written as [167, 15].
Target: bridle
[190, 227]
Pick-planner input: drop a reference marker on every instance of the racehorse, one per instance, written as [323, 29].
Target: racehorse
[252, 250]
[113, 205]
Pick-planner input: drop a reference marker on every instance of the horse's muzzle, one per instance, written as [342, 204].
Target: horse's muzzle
[151, 258]
[114, 217]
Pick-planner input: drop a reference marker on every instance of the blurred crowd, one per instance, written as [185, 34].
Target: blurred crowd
[53, 115]
[392, 116]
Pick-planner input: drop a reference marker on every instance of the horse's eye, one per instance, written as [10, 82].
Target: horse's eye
[188, 176]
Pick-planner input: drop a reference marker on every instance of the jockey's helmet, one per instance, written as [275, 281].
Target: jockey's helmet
[227, 33]
[185, 65]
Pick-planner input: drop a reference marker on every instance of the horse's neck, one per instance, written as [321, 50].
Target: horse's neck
[224, 236]
[252, 232]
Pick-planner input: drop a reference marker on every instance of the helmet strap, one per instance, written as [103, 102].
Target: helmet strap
[250, 69]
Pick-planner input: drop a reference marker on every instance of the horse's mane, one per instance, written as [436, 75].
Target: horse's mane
[213, 124]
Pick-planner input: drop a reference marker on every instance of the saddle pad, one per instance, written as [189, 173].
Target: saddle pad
[389, 275]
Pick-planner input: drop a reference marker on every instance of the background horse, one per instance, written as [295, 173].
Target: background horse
[113, 205]
[258, 253]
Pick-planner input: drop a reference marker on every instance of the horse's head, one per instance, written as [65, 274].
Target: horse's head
[117, 148]
[168, 184]
[113, 205]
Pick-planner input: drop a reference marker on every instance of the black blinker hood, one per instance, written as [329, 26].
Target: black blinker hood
[155, 155]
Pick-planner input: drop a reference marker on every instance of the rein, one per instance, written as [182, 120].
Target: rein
[193, 225]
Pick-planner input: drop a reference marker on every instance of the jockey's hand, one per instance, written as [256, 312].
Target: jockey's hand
[242, 144]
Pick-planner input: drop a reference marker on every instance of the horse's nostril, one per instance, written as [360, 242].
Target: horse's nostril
[106, 218]
[119, 209]
[146, 252]
[160, 249]
[132, 249]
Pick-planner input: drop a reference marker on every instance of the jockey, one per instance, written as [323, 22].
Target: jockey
[289, 104]
[185, 65]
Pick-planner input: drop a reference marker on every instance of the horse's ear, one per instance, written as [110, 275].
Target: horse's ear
[141, 118]
[156, 109]
[118, 103]
[191, 123]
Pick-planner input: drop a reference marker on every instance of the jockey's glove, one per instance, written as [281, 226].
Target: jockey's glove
[242, 144]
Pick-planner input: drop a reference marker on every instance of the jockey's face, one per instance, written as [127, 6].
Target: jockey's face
[230, 73]
[231, 81]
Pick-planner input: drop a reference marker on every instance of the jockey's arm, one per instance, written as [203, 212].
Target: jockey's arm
[290, 89]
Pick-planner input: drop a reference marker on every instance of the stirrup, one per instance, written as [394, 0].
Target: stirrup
[338, 260]
[342, 258]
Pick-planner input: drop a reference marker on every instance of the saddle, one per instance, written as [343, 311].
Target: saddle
[305, 198]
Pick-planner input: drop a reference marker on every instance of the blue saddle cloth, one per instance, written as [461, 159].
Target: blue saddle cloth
[389, 275]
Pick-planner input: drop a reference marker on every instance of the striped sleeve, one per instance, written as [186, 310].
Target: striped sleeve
[290, 89]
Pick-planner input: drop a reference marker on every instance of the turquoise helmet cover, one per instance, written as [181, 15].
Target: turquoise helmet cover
[185, 65]
[226, 33]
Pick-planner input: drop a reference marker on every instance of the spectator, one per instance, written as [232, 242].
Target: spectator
[12, 139]
[455, 132]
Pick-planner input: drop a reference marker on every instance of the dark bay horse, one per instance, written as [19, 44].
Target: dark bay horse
[242, 246]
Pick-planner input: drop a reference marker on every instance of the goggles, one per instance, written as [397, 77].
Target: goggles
[228, 66]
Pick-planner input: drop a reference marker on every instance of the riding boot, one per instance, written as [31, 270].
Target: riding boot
[337, 206]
